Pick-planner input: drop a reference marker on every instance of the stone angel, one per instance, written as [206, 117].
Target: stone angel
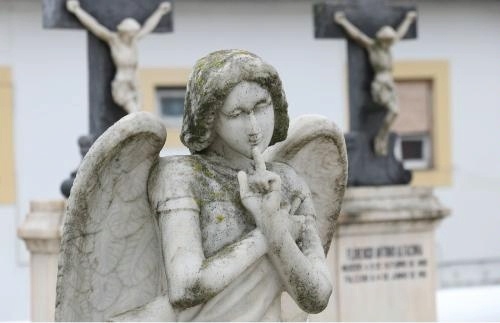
[217, 235]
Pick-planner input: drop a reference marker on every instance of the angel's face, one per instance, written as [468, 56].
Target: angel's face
[246, 120]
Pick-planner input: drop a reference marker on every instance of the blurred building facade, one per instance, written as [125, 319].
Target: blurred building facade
[452, 67]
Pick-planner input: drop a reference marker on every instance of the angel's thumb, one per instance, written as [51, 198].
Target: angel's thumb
[243, 181]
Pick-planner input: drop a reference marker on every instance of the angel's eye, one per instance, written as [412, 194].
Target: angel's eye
[262, 105]
[234, 114]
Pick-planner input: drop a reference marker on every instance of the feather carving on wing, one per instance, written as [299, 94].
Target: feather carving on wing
[315, 148]
[110, 258]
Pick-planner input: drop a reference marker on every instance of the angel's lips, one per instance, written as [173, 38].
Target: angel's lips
[255, 139]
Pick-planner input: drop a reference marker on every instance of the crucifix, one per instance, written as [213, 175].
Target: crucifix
[370, 27]
[104, 110]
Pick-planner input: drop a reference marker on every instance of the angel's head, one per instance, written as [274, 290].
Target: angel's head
[234, 96]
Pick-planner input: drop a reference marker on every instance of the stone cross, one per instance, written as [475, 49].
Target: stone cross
[369, 16]
[365, 116]
[103, 111]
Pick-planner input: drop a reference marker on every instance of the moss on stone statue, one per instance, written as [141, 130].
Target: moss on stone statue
[212, 79]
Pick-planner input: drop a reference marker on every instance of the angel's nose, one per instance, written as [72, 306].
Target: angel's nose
[254, 134]
[254, 127]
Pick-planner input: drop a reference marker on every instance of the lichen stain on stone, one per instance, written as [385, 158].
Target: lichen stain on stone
[219, 218]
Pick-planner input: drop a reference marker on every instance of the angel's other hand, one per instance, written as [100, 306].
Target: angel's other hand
[260, 192]
[260, 195]
[72, 5]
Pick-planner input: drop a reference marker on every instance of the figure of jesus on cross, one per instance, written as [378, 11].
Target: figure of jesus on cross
[379, 54]
[123, 47]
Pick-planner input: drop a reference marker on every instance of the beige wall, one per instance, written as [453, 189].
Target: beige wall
[7, 175]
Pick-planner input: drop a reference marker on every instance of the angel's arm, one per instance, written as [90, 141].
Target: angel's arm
[192, 278]
[405, 25]
[304, 280]
[88, 21]
[352, 30]
[154, 19]
[303, 270]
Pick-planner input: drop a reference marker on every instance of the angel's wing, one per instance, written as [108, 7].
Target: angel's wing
[110, 259]
[315, 148]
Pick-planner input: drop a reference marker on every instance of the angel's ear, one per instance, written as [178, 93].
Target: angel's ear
[315, 148]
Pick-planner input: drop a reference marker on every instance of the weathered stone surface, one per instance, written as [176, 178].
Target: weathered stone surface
[230, 228]
[384, 259]
[41, 231]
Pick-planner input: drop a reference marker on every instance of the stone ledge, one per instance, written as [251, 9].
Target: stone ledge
[389, 204]
[42, 228]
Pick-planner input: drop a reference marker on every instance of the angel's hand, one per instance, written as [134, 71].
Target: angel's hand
[72, 5]
[260, 192]
[164, 7]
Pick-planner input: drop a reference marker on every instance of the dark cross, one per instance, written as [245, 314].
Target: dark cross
[103, 111]
[365, 116]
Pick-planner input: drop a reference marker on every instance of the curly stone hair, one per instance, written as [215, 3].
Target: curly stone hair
[212, 79]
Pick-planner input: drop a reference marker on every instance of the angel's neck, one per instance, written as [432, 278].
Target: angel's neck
[231, 158]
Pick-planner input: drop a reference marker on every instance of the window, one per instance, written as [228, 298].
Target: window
[424, 121]
[414, 123]
[170, 105]
[416, 151]
[162, 93]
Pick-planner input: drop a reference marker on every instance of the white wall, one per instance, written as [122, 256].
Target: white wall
[281, 33]
[50, 104]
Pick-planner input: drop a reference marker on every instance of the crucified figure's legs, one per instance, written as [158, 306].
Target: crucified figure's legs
[125, 93]
[383, 93]
[381, 141]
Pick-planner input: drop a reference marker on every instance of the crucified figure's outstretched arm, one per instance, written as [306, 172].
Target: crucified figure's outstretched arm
[88, 21]
[154, 19]
[352, 30]
[405, 25]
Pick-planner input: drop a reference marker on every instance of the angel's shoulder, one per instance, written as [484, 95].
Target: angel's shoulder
[176, 166]
[173, 177]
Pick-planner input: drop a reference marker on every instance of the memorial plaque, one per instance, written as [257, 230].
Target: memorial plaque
[383, 262]
[386, 277]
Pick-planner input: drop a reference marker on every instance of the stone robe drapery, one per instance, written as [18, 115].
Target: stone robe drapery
[204, 184]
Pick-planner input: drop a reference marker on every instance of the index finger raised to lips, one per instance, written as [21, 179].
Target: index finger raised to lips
[260, 163]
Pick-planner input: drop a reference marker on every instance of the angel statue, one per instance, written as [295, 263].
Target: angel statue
[218, 235]
[123, 46]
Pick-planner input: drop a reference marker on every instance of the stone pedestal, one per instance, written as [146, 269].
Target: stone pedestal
[41, 232]
[383, 261]
[382, 257]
